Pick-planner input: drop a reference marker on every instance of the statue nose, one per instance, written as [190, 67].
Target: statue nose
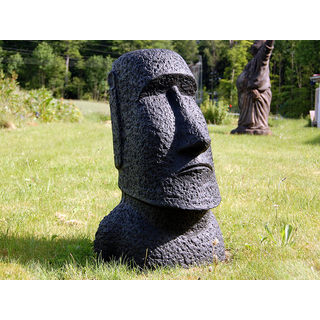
[193, 146]
[191, 129]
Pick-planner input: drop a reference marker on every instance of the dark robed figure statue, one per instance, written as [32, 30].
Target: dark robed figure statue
[254, 93]
[162, 150]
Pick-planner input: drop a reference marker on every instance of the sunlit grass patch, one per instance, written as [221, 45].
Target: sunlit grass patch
[58, 181]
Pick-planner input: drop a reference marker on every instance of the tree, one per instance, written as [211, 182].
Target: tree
[15, 62]
[70, 49]
[78, 84]
[97, 69]
[56, 80]
[48, 69]
[1, 57]
[293, 63]
[188, 49]
[238, 56]
[214, 57]
[123, 46]
[43, 59]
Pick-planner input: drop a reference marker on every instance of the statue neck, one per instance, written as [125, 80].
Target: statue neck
[164, 217]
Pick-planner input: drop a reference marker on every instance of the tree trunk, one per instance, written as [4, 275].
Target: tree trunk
[94, 96]
[232, 80]
[67, 69]
[279, 86]
[292, 70]
[105, 91]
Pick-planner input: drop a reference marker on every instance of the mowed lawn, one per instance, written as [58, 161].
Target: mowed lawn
[57, 182]
[89, 107]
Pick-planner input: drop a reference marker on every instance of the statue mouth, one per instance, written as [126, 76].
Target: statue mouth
[195, 167]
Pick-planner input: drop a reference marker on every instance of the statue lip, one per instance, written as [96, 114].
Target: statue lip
[196, 166]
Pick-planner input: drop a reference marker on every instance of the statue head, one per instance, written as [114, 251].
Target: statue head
[162, 147]
[256, 46]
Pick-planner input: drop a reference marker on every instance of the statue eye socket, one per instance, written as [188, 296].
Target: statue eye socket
[187, 88]
[153, 89]
[161, 85]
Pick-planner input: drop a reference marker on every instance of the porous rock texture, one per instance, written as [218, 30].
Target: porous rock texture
[154, 237]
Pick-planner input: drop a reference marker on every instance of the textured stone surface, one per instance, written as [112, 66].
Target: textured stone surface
[171, 236]
[254, 93]
[163, 153]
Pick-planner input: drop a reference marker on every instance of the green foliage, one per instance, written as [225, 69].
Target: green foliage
[44, 56]
[1, 56]
[188, 49]
[97, 69]
[15, 62]
[51, 109]
[214, 112]
[214, 58]
[283, 238]
[123, 46]
[10, 100]
[76, 86]
[293, 102]
[205, 93]
[16, 104]
[70, 48]
[63, 66]
[292, 64]
[238, 56]
[48, 69]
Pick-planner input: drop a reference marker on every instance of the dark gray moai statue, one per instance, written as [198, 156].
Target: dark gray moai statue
[254, 91]
[166, 175]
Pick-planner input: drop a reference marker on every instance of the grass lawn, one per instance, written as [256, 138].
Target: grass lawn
[92, 107]
[58, 181]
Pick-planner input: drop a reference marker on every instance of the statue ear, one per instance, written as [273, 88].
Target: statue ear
[116, 120]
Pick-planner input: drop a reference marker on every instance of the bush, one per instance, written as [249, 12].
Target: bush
[17, 105]
[87, 96]
[49, 109]
[214, 112]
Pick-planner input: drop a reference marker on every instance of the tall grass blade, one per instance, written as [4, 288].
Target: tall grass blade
[288, 231]
[270, 232]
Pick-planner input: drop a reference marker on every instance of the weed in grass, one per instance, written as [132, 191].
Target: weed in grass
[285, 234]
[282, 233]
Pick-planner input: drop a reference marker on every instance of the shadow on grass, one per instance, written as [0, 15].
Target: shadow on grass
[219, 132]
[62, 259]
[315, 141]
[52, 252]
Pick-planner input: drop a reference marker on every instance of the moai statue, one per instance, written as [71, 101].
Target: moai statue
[166, 175]
[254, 91]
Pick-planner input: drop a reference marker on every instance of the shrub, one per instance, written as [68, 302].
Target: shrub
[17, 105]
[214, 112]
[49, 109]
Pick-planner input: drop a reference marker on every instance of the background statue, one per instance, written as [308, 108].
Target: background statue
[163, 153]
[254, 93]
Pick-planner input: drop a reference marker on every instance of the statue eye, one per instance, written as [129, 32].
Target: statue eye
[188, 87]
[153, 88]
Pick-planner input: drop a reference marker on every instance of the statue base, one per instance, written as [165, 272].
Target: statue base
[246, 130]
[160, 237]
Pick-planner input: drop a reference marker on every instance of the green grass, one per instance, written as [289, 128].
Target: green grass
[58, 181]
[88, 107]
